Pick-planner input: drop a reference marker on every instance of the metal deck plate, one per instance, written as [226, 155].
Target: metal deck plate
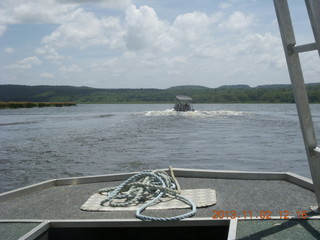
[15, 230]
[278, 229]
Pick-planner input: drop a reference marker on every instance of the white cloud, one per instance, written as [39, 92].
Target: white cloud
[144, 30]
[9, 50]
[49, 53]
[310, 64]
[261, 48]
[30, 61]
[47, 11]
[211, 50]
[47, 75]
[33, 11]
[194, 27]
[238, 21]
[25, 63]
[193, 46]
[83, 29]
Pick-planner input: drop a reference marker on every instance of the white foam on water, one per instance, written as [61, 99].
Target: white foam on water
[167, 112]
[196, 113]
[223, 113]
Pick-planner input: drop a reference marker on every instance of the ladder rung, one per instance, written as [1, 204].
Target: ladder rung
[302, 48]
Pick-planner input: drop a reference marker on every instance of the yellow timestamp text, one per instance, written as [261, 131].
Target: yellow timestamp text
[286, 214]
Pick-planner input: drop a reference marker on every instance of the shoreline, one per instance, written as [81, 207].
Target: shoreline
[14, 105]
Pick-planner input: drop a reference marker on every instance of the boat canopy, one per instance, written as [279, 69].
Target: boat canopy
[183, 98]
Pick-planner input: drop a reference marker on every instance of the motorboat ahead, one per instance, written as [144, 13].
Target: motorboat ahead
[183, 104]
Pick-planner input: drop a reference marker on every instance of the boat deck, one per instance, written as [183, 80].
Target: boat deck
[64, 202]
[255, 198]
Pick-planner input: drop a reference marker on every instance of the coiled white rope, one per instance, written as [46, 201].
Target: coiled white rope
[147, 187]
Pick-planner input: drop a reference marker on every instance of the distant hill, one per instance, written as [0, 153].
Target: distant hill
[235, 86]
[225, 94]
[285, 85]
[274, 86]
[40, 93]
[187, 87]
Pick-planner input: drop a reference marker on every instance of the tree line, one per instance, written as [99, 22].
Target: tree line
[199, 94]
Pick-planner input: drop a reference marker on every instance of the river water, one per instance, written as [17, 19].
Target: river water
[43, 143]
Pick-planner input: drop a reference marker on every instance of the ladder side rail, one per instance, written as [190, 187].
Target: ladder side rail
[313, 7]
[299, 90]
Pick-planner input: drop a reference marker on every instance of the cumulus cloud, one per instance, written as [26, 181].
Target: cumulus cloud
[211, 50]
[194, 40]
[142, 44]
[84, 29]
[310, 63]
[47, 11]
[77, 27]
[261, 48]
[25, 63]
[33, 11]
[238, 21]
[144, 30]
[195, 26]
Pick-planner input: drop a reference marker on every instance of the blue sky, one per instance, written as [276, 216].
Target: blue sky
[147, 44]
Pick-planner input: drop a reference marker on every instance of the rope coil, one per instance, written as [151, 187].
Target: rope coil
[147, 187]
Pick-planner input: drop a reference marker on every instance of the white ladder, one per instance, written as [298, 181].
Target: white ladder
[295, 71]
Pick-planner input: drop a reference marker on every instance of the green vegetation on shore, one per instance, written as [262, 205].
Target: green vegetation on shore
[224, 94]
[5, 105]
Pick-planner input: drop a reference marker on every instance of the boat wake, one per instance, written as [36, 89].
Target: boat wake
[197, 113]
